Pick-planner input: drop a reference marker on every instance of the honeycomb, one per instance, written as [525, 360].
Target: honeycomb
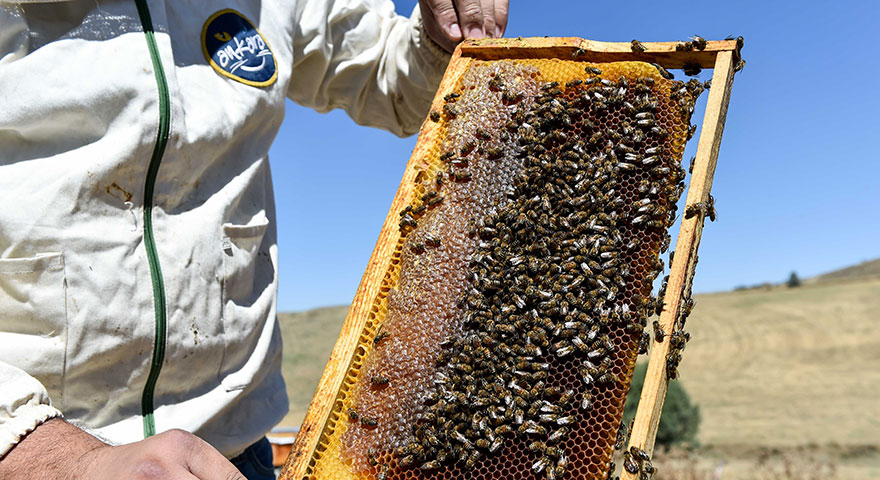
[504, 335]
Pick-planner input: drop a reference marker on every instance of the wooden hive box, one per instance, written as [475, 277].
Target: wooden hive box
[428, 288]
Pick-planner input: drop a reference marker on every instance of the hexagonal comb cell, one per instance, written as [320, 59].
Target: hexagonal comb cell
[503, 338]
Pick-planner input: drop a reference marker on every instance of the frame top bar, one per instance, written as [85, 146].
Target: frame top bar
[662, 53]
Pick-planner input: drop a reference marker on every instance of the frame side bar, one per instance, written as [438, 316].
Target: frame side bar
[681, 273]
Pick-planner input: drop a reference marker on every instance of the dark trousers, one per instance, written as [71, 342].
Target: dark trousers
[255, 463]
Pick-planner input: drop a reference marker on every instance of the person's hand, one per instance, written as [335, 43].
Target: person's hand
[57, 449]
[448, 22]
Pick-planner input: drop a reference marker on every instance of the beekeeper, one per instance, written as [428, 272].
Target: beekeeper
[138, 256]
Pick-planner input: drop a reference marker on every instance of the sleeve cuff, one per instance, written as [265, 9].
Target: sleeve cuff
[23, 420]
[428, 49]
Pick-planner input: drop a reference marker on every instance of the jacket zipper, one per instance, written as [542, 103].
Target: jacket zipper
[149, 239]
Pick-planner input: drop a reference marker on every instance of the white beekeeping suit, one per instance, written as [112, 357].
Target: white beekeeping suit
[136, 207]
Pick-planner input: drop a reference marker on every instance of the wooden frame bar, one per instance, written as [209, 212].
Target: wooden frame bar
[662, 53]
[718, 54]
[681, 273]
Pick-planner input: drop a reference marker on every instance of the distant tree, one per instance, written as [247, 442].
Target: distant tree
[793, 281]
[680, 418]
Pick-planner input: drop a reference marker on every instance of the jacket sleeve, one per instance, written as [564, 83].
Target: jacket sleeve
[360, 56]
[24, 404]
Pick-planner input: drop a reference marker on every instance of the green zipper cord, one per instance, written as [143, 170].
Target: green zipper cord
[149, 240]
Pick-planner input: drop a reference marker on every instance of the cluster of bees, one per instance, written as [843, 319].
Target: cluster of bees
[553, 271]
[695, 43]
[637, 462]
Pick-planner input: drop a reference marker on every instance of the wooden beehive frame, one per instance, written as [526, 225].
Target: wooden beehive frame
[719, 55]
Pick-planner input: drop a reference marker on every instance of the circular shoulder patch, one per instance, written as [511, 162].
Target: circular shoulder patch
[236, 49]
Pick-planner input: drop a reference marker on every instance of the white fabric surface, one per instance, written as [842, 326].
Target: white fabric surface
[77, 127]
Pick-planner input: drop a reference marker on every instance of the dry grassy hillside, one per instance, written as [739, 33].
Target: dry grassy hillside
[862, 270]
[787, 366]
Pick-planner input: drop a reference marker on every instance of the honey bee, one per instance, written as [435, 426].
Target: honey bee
[496, 444]
[434, 116]
[535, 429]
[471, 461]
[541, 464]
[593, 70]
[382, 335]
[451, 97]
[739, 40]
[636, 46]
[495, 153]
[694, 209]
[548, 418]
[739, 65]
[672, 361]
[659, 334]
[710, 208]
[481, 134]
[678, 339]
[450, 111]
[692, 69]
[383, 472]
[431, 240]
[434, 200]
[565, 420]
[629, 463]
[643, 343]
[622, 435]
[461, 175]
[537, 446]
[352, 414]
[368, 421]
[587, 402]
[699, 42]
[640, 454]
[684, 46]
[511, 98]
[558, 435]
[408, 221]
[379, 380]
[573, 83]
[495, 84]
[430, 465]
[663, 72]
[371, 456]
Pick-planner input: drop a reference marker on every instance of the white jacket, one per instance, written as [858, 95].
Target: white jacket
[79, 122]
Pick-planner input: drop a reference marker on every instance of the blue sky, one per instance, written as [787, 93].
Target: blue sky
[798, 177]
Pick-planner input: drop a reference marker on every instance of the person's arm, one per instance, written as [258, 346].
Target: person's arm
[56, 449]
[36, 444]
[381, 68]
